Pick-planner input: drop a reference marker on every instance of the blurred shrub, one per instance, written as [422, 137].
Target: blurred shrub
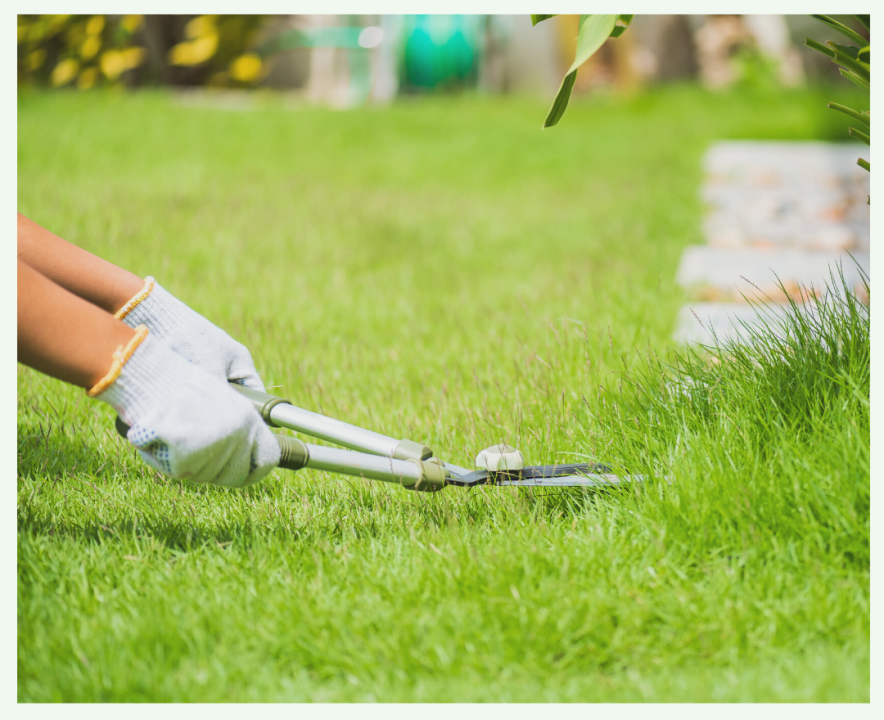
[82, 51]
[86, 51]
[216, 49]
[754, 69]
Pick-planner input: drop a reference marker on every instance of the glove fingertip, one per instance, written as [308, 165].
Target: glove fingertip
[256, 476]
[264, 458]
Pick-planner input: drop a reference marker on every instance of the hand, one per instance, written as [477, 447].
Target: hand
[185, 422]
[190, 335]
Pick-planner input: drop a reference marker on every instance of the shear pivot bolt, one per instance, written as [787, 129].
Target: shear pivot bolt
[500, 457]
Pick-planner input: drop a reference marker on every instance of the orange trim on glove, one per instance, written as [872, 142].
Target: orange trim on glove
[121, 355]
[149, 282]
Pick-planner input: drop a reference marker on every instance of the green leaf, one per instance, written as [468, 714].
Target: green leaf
[851, 113]
[864, 164]
[594, 30]
[539, 19]
[622, 23]
[561, 102]
[848, 50]
[865, 54]
[864, 19]
[855, 79]
[860, 68]
[821, 48]
[843, 29]
[853, 132]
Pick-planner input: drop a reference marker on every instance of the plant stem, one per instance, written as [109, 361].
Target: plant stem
[850, 112]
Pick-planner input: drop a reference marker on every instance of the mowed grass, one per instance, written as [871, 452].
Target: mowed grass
[442, 270]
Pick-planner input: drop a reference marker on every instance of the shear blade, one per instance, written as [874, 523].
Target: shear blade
[573, 475]
[592, 480]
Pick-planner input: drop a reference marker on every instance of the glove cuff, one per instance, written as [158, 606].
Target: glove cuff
[142, 371]
[155, 307]
[190, 335]
[120, 358]
[136, 299]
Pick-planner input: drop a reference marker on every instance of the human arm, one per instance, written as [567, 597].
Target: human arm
[63, 335]
[136, 301]
[80, 272]
[185, 422]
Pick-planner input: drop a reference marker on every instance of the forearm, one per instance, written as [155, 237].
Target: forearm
[85, 275]
[63, 335]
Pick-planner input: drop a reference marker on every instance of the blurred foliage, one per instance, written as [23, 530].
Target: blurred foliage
[86, 51]
[79, 50]
[220, 49]
[755, 69]
[855, 65]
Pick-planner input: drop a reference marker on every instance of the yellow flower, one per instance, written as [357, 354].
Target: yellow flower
[112, 63]
[90, 47]
[180, 54]
[64, 72]
[131, 23]
[95, 25]
[199, 26]
[194, 52]
[87, 78]
[35, 59]
[246, 68]
[133, 57]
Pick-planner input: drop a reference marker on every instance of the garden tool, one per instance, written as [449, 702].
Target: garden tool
[401, 461]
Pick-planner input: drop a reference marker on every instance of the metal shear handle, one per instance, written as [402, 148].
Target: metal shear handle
[403, 462]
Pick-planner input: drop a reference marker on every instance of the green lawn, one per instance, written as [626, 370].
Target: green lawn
[440, 270]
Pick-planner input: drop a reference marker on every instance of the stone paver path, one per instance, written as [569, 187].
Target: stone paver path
[787, 211]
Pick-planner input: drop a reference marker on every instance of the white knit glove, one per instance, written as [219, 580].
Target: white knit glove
[184, 422]
[190, 335]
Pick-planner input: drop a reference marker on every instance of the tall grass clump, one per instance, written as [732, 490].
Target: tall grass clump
[758, 447]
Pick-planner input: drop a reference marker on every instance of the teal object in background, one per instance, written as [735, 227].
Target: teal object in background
[440, 50]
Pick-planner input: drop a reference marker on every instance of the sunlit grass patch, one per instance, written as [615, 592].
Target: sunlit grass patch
[442, 271]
